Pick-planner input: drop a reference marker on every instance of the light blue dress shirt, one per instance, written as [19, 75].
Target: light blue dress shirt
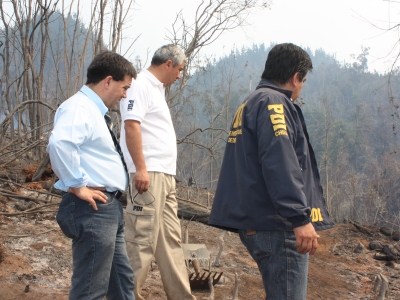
[81, 149]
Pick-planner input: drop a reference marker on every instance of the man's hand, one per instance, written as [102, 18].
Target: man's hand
[306, 239]
[142, 181]
[89, 195]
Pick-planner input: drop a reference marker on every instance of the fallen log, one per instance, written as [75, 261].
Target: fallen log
[393, 234]
[375, 245]
[190, 210]
[361, 228]
[391, 252]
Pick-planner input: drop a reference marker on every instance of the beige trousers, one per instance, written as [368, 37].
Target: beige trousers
[152, 229]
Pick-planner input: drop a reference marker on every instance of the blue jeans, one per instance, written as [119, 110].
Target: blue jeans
[283, 270]
[100, 265]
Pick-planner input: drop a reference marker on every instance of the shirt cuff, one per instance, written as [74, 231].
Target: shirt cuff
[299, 221]
[75, 183]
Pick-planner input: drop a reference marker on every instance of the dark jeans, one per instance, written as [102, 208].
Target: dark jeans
[284, 270]
[100, 262]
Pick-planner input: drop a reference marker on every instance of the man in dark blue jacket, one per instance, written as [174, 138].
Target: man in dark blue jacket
[269, 188]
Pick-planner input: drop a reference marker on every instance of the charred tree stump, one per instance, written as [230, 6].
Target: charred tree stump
[221, 248]
[236, 289]
[381, 283]
[378, 281]
[211, 286]
[40, 170]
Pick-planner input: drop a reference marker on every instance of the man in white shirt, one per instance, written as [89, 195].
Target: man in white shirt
[148, 142]
[92, 177]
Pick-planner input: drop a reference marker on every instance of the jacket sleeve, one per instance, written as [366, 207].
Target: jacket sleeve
[277, 129]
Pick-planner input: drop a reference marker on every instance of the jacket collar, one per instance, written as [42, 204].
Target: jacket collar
[265, 83]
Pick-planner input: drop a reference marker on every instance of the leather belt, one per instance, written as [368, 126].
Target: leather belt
[116, 194]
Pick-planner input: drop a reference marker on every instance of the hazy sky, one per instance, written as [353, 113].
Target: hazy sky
[340, 27]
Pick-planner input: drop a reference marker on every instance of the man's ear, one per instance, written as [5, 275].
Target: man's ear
[292, 81]
[295, 79]
[107, 81]
[169, 63]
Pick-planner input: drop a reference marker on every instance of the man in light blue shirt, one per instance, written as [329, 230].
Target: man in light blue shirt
[91, 173]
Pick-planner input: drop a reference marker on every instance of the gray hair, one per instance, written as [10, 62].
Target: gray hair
[166, 52]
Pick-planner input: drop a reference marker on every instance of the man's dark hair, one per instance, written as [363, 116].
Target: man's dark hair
[166, 52]
[285, 60]
[109, 64]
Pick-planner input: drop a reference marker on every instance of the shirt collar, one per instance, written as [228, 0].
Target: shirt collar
[94, 98]
[152, 78]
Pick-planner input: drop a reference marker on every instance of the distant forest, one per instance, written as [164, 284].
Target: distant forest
[351, 113]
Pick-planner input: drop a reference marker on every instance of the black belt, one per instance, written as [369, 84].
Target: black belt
[116, 194]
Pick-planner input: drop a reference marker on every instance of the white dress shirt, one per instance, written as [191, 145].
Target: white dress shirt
[81, 149]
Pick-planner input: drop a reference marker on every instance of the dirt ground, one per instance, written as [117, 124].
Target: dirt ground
[35, 257]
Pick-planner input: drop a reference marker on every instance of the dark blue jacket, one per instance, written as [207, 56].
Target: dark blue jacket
[269, 177]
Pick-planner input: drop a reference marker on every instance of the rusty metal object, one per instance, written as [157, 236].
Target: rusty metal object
[199, 281]
[197, 252]
[197, 255]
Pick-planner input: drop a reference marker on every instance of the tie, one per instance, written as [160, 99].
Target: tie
[109, 123]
